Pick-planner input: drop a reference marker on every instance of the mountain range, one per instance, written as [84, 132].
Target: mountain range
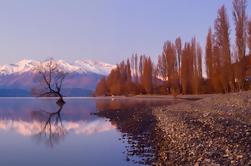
[17, 80]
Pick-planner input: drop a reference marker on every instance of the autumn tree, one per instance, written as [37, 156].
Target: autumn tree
[179, 67]
[194, 67]
[155, 79]
[113, 82]
[147, 75]
[162, 67]
[118, 82]
[185, 68]
[249, 36]
[209, 59]
[169, 52]
[199, 67]
[223, 44]
[240, 20]
[129, 87]
[134, 67]
[141, 66]
[101, 88]
[216, 73]
[178, 44]
[191, 68]
[162, 73]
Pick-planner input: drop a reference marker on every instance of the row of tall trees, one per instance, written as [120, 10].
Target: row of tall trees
[226, 68]
[179, 67]
[133, 76]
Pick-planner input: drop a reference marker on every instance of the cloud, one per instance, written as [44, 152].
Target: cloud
[34, 127]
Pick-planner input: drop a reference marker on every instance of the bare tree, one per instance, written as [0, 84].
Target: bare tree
[51, 80]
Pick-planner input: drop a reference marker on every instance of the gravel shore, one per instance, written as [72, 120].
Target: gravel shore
[215, 130]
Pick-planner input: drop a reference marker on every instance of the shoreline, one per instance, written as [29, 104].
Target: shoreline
[169, 97]
[213, 130]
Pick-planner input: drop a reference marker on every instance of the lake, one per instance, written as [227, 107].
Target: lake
[84, 131]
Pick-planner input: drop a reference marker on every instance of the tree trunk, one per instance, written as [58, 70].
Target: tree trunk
[60, 100]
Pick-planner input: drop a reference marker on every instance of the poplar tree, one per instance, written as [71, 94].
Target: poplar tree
[223, 44]
[209, 59]
[249, 36]
[240, 20]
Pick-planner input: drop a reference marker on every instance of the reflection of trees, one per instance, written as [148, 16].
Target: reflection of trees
[116, 103]
[189, 137]
[135, 121]
[52, 130]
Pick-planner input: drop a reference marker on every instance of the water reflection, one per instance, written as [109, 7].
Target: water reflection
[48, 126]
[51, 129]
[130, 103]
[134, 119]
[81, 126]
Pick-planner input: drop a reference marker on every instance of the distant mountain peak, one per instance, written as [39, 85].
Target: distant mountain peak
[78, 66]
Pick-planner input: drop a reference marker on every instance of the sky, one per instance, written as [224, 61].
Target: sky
[103, 30]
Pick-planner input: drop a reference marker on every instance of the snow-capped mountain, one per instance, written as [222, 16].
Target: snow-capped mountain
[79, 66]
[82, 76]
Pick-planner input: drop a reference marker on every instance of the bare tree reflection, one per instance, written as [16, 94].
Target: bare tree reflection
[52, 129]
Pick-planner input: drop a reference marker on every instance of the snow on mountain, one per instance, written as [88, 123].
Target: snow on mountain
[79, 66]
[82, 77]
[94, 66]
[19, 67]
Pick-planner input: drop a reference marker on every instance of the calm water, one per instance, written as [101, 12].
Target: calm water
[40, 132]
